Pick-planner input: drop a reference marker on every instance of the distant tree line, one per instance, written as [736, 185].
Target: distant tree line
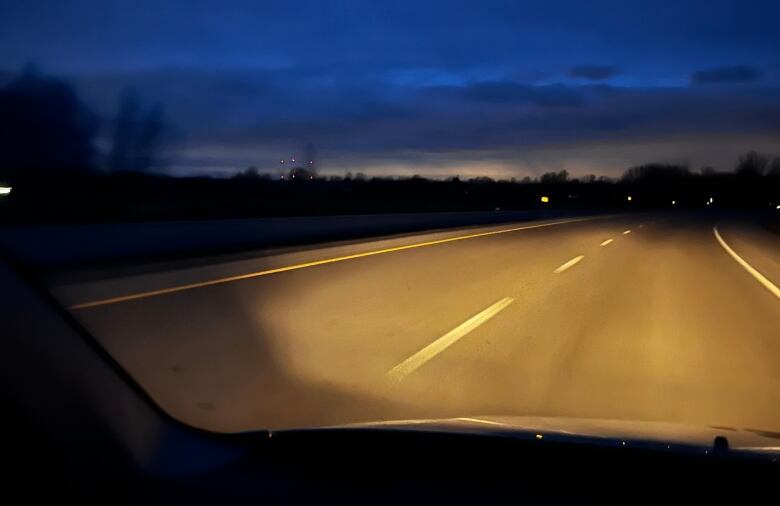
[135, 196]
[750, 164]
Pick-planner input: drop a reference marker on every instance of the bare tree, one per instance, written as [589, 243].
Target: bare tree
[555, 177]
[44, 126]
[136, 142]
[752, 163]
[774, 167]
[148, 141]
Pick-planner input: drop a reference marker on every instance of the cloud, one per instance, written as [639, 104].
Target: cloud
[594, 72]
[499, 92]
[727, 75]
[250, 117]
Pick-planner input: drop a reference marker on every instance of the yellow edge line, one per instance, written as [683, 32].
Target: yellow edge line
[479, 420]
[411, 364]
[773, 289]
[230, 279]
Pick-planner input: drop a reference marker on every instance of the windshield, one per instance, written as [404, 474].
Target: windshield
[298, 214]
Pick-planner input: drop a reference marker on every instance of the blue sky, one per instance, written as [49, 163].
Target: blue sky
[503, 88]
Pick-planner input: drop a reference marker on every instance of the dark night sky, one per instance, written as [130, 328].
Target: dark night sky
[436, 87]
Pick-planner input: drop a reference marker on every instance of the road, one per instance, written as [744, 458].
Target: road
[623, 317]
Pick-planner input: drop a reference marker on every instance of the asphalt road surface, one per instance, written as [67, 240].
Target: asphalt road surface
[654, 318]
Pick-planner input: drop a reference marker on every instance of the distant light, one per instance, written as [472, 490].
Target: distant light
[281, 161]
[539, 437]
[674, 202]
[545, 199]
[710, 200]
[311, 177]
[293, 160]
[5, 190]
[311, 162]
[629, 198]
[778, 205]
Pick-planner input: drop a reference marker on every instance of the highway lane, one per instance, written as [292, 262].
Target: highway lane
[630, 317]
